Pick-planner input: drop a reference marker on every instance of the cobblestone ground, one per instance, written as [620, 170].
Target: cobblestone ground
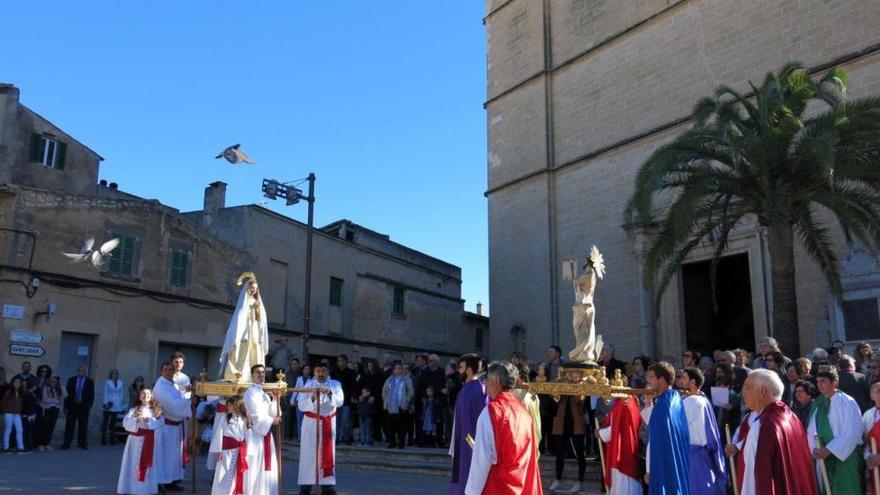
[96, 471]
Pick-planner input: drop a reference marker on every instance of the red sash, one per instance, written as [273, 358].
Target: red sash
[326, 460]
[241, 465]
[623, 449]
[874, 433]
[267, 451]
[182, 436]
[744, 428]
[146, 460]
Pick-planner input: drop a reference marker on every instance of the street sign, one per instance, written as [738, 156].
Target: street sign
[26, 350]
[25, 336]
[13, 311]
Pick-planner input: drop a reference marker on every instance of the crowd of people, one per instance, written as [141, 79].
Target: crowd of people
[32, 402]
[702, 408]
[389, 403]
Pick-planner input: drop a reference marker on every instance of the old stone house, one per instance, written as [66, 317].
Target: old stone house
[170, 284]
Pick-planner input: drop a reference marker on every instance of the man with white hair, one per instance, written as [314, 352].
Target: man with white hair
[765, 346]
[836, 419]
[739, 374]
[775, 451]
[820, 358]
[505, 451]
[852, 383]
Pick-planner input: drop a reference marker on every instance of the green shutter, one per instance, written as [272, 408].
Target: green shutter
[60, 154]
[127, 255]
[123, 256]
[179, 268]
[36, 141]
[336, 291]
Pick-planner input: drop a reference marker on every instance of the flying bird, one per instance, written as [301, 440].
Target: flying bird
[96, 257]
[234, 154]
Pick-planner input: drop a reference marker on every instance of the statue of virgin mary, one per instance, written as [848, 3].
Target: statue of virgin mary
[247, 337]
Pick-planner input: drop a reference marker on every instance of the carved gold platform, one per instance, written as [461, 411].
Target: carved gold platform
[583, 382]
[229, 389]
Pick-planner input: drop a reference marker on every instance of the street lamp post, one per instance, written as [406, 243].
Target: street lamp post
[273, 189]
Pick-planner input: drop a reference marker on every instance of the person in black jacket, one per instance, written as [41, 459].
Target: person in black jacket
[347, 378]
[607, 359]
[432, 376]
[854, 384]
[77, 404]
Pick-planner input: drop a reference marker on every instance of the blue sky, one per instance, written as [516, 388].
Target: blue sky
[381, 99]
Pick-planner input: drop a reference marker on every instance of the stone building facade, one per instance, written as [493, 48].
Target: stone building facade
[579, 95]
[170, 285]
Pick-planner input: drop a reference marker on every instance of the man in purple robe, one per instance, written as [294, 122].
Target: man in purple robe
[468, 405]
[706, 456]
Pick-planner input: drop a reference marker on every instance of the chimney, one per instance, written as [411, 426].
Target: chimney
[480, 308]
[215, 200]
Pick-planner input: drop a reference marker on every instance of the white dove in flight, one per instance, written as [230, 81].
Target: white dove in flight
[96, 257]
[234, 154]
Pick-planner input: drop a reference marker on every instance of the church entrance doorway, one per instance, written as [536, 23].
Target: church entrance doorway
[730, 324]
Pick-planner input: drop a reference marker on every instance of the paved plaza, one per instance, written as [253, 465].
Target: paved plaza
[95, 472]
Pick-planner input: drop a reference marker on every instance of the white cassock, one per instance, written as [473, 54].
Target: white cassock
[748, 448]
[226, 470]
[308, 440]
[181, 381]
[261, 411]
[621, 484]
[696, 418]
[176, 409]
[131, 457]
[845, 418]
[219, 404]
[484, 455]
[869, 419]
[646, 418]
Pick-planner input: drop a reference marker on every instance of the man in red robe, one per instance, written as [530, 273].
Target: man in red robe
[775, 452]
[621, 435]
[871, 428]
[505, 457]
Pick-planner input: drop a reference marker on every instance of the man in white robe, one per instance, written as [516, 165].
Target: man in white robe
[262, 474]
[176, 409]
[843, 463]
[319, 414]
[622, 422]
[707, 472]
[181, 379]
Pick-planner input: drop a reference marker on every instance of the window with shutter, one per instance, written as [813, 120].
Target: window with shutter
[179, 267]
[336, 291]
[122, 258]
[47, 151]
[399, 299]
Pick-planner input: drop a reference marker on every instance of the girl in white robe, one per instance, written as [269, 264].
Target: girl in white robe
[137, 475]
[227, 446]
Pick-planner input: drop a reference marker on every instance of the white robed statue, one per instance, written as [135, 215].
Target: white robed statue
[247, 335]
[588, 345]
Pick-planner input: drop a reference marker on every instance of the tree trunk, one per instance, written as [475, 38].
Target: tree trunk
[785, 312]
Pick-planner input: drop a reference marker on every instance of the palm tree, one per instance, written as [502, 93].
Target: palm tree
[765, 157]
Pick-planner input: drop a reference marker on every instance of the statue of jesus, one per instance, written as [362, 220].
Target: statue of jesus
[248, 334]
[588, 345]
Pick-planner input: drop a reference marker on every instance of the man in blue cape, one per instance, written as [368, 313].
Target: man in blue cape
[668, 437]
[468, 405]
